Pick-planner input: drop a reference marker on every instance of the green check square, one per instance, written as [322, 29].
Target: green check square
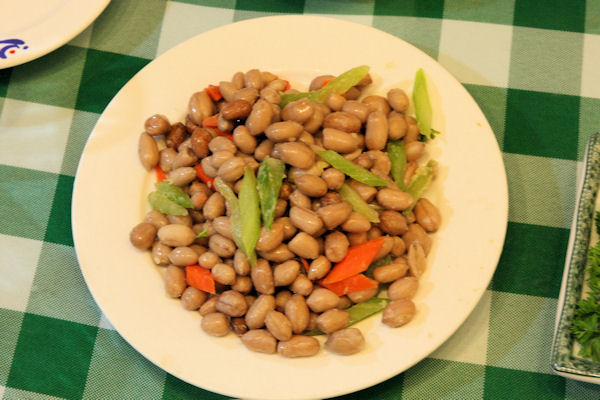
[546, 61]
[103, 76]
[551, 14]
[52, 357]
[492, 11]
[390, 389]
[577, 390]
[589, 122]
[57, 268]
[4, 79]
[117, 371]
[129, 27]
[271, 6]
[82, 125]
[410, 8]
[492, 101]
[53, 79]
[541, 190]
[521, 329]
[336, 7]
[176, 389]
[441, 379]
[541, 124]
[423, 33]
[592, 17]
[10, 325]
[59, 224]
[210, 3]
[531, 257]
[502, 383]
[25, 201]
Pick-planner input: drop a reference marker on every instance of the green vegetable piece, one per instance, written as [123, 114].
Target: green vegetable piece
[358, 312]
[235, 217]
[397, 155]
[379, 263]
[250, 214]
[357, 203]
[420, 182]
[422, 105]
[202, 234]
[352, 170]
[270, 176]
[175, 194]
[339, 85]
[160, 202]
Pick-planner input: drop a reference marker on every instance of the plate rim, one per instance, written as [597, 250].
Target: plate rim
[504, 183]
[94, 9]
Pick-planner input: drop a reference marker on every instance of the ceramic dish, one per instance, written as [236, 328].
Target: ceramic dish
[565, 361]
[32, 28]
[110, 198]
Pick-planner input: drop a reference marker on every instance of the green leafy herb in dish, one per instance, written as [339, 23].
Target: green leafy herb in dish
[586, 324]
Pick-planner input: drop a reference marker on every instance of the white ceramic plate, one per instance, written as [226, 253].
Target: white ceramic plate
[33, 28]
[111, 188]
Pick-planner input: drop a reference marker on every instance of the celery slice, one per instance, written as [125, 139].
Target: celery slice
[250, 214]
[339, 85]
[270, 175]
[354, 171]
[357, 203]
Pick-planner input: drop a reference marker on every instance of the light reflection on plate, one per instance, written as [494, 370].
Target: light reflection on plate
[110, 190]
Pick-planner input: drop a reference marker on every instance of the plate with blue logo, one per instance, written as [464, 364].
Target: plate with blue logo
[32, 28]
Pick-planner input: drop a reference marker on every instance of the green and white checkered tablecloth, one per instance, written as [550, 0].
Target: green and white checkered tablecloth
[533, 67]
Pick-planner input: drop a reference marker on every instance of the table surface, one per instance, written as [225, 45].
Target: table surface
[531, 66]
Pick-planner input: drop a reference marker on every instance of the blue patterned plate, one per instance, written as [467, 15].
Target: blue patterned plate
[565, 360]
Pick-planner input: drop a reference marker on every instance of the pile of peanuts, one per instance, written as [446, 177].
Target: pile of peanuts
[271, 305]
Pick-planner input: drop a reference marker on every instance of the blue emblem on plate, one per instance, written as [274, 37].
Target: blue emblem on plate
[9, 46]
